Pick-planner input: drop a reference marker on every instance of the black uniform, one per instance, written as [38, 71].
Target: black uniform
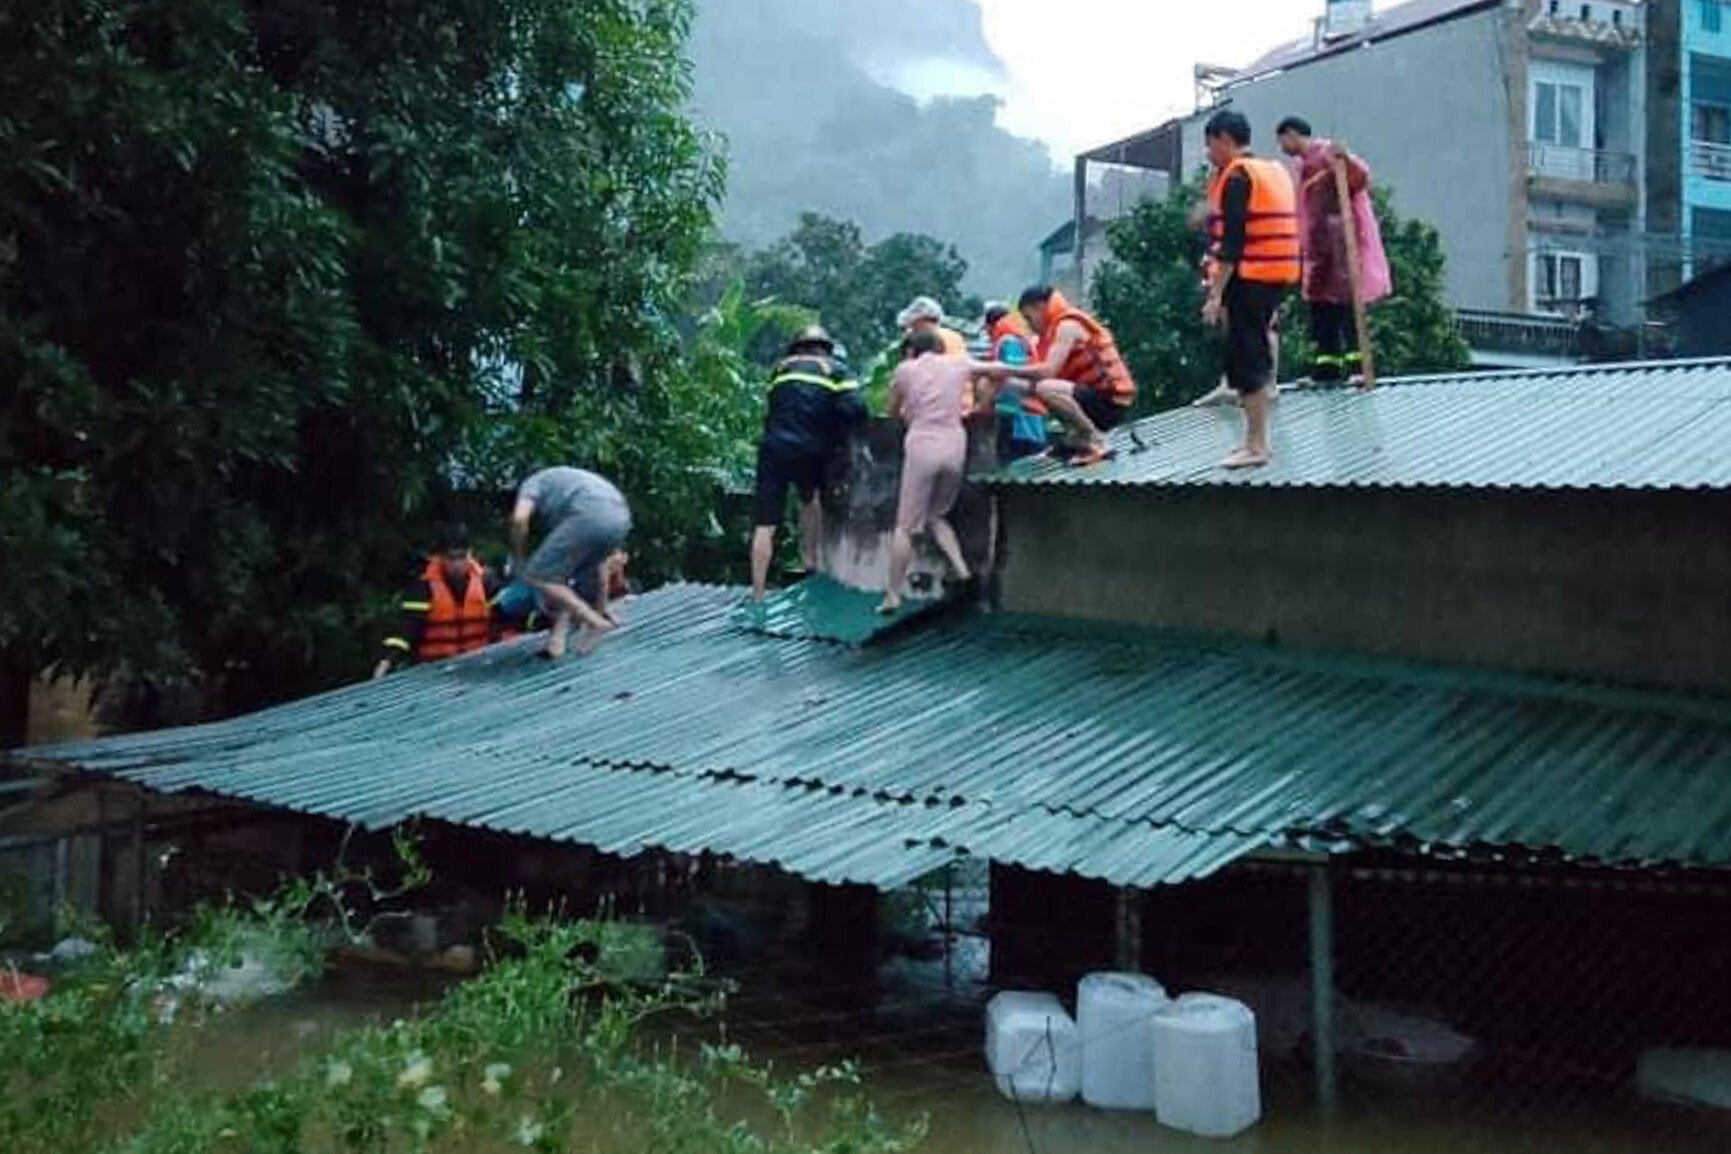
[814, 405]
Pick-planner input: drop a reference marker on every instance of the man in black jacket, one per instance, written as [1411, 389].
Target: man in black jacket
[814, 404]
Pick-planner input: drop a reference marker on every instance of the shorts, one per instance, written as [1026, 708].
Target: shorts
[778, 471]
[1251, 307]
[1102, 410]
[572, 552]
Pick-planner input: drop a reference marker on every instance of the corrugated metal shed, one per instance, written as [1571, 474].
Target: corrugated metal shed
[1660, 425]
[1135, 758]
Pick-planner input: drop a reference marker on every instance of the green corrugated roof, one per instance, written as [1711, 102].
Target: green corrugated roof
[1134, 757]
[820, 608]
[1660, 425]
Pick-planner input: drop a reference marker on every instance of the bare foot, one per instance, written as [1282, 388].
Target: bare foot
[1244, 457]
[587, 640]
[891, 604]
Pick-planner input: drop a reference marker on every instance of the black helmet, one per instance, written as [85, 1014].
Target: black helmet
[812, 337]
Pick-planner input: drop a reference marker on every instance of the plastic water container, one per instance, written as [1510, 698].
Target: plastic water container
[1206, 1080]
[1115, 1016]
[1032, 1048]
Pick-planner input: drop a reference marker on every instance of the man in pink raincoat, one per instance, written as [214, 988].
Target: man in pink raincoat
[1322, 228]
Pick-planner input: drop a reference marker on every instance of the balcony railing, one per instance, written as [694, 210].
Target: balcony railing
[1710, 160]
[1587, 165]
[1518, 333]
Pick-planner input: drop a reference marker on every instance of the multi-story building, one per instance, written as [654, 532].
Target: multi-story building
[1688, 139]
[1517, 127]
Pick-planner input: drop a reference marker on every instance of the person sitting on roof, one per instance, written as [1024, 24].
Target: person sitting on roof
[927, 397]
[447, 611]
[574, 568]
[814, 407]
[1080, 373]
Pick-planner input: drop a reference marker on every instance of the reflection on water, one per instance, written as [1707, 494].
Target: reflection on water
[919, 1042]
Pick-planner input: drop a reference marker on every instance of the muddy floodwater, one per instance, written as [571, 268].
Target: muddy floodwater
[920, 1044]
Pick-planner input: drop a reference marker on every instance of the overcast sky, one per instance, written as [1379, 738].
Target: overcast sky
[1077, 73]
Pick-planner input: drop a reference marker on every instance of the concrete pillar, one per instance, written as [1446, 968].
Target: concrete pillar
[1322, 985]
[1129, 930]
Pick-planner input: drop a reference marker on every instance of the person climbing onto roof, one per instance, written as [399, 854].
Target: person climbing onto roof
[1080, 373]
[587, 521]
[926, 396]
[447, 611]
[1253, 242]
[1322, 227]
[814, 407]
[1021, 416]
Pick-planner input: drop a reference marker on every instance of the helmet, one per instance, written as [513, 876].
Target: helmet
[812, 336]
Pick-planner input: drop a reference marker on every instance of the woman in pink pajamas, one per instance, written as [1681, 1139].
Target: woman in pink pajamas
[928, 397]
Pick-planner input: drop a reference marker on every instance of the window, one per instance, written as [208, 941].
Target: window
[1710, 123]
[1710, 238]
[1562, 280]
[1712, 15]
[1557, 114]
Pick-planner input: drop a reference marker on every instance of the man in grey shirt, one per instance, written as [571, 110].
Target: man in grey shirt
[587, 521]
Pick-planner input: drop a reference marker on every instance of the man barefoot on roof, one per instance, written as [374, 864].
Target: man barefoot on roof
[1080, 373]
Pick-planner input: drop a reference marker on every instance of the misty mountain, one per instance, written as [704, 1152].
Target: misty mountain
[791, 85]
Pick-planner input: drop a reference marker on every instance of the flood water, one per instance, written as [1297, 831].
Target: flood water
[919, 1043]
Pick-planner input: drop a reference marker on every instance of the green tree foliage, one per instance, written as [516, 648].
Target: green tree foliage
[857, 289]
[1150, 293]
[278, 278]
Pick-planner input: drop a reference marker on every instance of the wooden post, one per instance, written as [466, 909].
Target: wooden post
[140, 861]
[1361, 318]
[1322, 985]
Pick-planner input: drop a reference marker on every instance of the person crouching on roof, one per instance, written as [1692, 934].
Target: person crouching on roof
[581, 556]
[814, 407]
[1080, 373]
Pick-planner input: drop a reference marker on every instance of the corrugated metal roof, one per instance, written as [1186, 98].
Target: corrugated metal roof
[820, 608]
[1135, 758]
[1659, 425]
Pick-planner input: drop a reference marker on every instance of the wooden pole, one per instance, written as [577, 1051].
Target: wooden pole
[1322, 986]
[1361, 318]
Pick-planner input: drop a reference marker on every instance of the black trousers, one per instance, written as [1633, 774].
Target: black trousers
[1332, 331]
[1250, 308]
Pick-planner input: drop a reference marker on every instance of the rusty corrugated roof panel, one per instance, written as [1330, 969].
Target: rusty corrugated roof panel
[1126, 756]
[1659, 425]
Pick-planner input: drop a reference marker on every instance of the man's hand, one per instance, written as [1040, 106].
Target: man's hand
[1213, 311]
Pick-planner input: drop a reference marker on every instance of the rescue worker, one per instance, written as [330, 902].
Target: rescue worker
[1253, 240]
[1322, 228]
[446, 612]
[814, 406]
[1080, 373]
[575, 566]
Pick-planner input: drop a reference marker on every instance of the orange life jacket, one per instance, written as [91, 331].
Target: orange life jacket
[452, 627]
[1271, 244]
[1094, 362]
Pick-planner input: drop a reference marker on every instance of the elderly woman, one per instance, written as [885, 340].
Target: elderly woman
[928, 397]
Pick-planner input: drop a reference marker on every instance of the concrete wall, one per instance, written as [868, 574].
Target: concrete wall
[1430, 112]
[1630, 586]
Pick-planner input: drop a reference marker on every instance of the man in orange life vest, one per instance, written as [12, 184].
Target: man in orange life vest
[1253, 239]
[1080, 373]
[448, 611]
